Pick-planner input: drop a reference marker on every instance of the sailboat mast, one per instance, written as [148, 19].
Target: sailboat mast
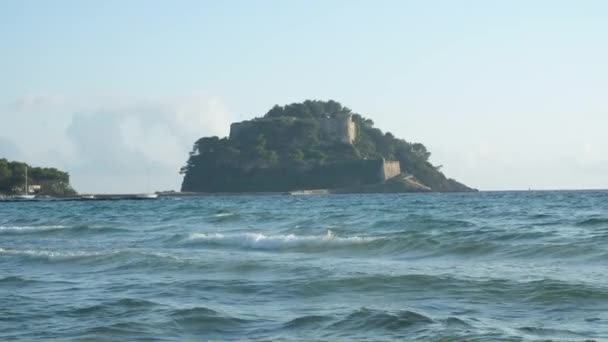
[26, 189]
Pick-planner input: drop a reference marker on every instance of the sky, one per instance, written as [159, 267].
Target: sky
[506, 95]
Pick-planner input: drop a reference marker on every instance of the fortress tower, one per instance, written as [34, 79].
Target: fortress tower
[340, 129]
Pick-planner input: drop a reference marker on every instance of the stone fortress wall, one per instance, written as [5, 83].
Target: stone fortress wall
[341, 129]
[238, 127]
[389, 169]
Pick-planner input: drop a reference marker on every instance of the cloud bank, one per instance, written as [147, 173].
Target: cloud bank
[111, 144]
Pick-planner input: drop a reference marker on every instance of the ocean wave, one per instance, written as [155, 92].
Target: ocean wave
[131, 260]
[593, 222]
[547, 333]
[368, 319]
[85, 229]
[20, 281]
[29, 229]
[204, 319]
[115, 308]
[455, 322]
[58, 229]
[415, 222]
[117, 260]
[414, 244]
[372, 282]
[16, 281]
[277, 242]
[365, 319]
[553, 250]
[132, 331]
[308, 322]
[223, 216]
[545, 291]
[48, 254]
[551, 291]
[540, 216]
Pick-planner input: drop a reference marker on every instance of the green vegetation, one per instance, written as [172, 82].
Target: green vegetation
[305, 146]
[52, 182]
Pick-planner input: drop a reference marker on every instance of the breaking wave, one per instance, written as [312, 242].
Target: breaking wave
[277, 242]
[48, 254]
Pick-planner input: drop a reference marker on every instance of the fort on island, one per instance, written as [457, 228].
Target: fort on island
[309, 146]
[337, 130]
[340, 129]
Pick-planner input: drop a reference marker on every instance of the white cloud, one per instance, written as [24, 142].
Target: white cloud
[112, 144]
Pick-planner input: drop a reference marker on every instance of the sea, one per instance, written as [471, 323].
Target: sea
[487, 266]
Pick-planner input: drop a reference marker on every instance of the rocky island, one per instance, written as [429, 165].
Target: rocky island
[308, 146]
[41, 181]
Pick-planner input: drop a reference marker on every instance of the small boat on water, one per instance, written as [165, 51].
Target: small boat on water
[26, 196]
[146, 196]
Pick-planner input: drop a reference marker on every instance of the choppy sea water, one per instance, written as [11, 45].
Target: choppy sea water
[520, 266]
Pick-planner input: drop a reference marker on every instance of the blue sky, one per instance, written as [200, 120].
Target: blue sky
[505, 94]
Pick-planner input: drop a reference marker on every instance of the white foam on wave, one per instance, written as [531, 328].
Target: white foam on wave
[28, 229]
[279, 241]
[224, 214]
[48, 254]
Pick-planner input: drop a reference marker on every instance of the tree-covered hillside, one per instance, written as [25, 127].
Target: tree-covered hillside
[52, 182]
[289, 148]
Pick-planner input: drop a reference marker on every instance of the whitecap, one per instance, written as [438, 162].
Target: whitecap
[279, 241]
[224, 214]
[47, 254]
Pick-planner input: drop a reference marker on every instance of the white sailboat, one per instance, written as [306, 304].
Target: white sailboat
[147, 195]
[26, 195]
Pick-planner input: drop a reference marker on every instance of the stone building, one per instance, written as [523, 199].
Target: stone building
[338, 129]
